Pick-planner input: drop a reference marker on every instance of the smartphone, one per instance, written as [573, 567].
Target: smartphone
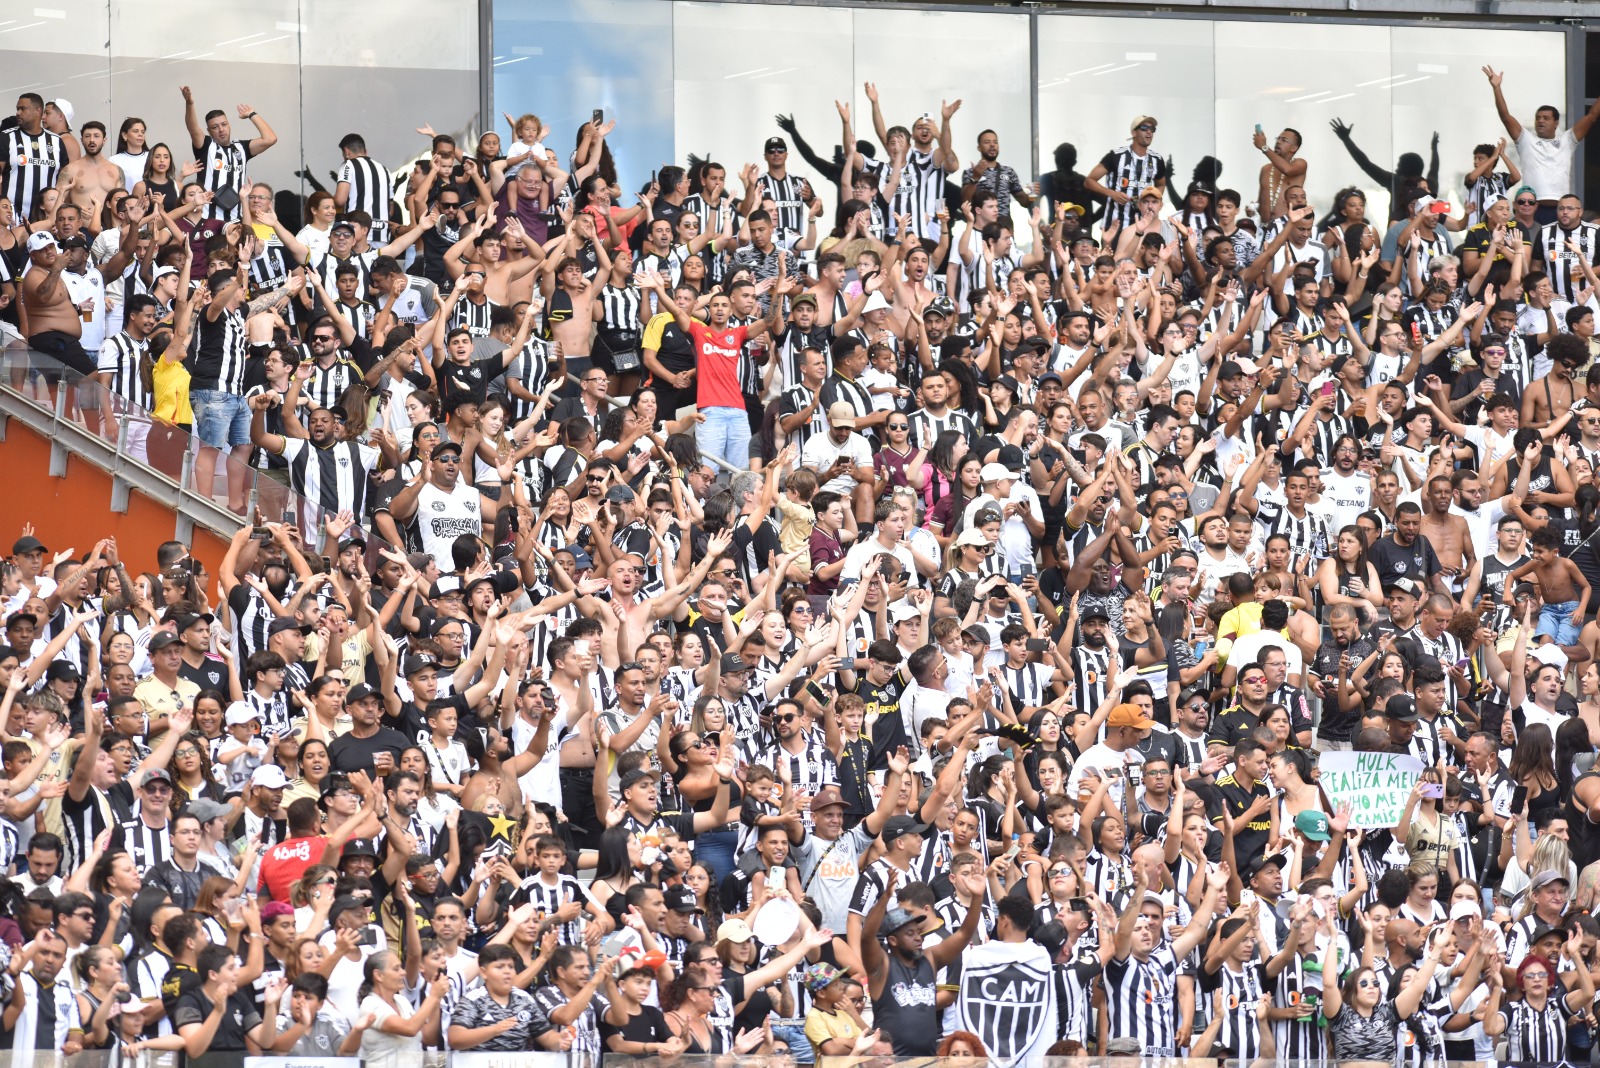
[1078, 904]
[598, 116]
[775, 875]
[652, 177]
[367, 937]
[1016, 847]
[1461, 665]
[1519, 799]
[853, 664]
[261, 533]
[1038, 645]
[288, 517]
[1434, 790]
[1258, 128]
[1327, 389]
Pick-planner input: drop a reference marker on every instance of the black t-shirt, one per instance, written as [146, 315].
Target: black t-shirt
[238, 1018]
[211, 674]
[349, 753]
[1417, 562]
[647, 1025]
[1249, 840]
[470, 378]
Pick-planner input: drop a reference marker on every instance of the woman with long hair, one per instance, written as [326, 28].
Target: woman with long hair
[621, 855]
[970, 556]
[1533, 766]
[1290, 771]
[193, 776]
[1589, 700]
[944, 518]
[219, 904]
[1347, 576]
[698, 879]
[1575, 754]
[939, 473]
[1429, 835]
[160, 177]
[314, 766]
[962, 1044]
[396, 1029]
[101, 985]
[703, 766]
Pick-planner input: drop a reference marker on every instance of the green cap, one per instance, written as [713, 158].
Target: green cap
[1313, 823]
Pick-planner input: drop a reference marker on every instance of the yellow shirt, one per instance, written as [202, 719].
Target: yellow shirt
[1236, 623]
[160, 699]
[822, 1026]
[796, 524]
[171, 380]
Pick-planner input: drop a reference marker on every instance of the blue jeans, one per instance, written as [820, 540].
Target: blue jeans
[725, 434]
[1555, 620]
[221, 420]
[714, 849]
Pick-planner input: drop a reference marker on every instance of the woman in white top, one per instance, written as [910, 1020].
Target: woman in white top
[132, 151]
[396, 1027]
[320, 211]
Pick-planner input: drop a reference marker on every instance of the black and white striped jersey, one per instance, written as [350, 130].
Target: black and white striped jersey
[473, 316]
[919, 195]
[371, 189]
[926, 427]
[327, 384]
[222, 167]
[359, 315]
[1090, 683]
[1301, 1039]
[219, 351]
[1129, 172]
[273, 708]
[1110, 876]
[1560, 262]
[1074, 981]
[121, 357]
[585, 1030]
[532, 369]
[713, 220]
[1241, 998]
[620, 305]
[1536, 1034]
[793, 402]
[333, 479]
[1141, 1001]
[33, 161]
[1307, 534]
[147, 845]
[788, 198]
[809, 770]
[547, 900]
[327, 267]
[1029, 685]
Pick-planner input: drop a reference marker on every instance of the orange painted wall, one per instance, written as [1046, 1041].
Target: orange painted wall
[75, 511]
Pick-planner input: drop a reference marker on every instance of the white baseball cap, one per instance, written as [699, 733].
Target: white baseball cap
[42, 240]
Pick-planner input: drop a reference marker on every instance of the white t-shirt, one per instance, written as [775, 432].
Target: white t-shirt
[820, 452]
[1247, 649]
[1547, 163]
[1346, 496]
[1016, 542]
[379, 1049]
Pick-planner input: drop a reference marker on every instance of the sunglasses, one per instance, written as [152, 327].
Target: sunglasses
[447, 458]
[1365, 983]
[899, 426]
[1253, 679]
[1145, 128]
[787, 717]
[1527, 203]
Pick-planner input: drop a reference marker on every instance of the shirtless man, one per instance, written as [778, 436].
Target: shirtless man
[572, 304]
[486, 249]
[86, 181]
[1449, 535]
[1555, 393]
[54, 325]
[1281, 171]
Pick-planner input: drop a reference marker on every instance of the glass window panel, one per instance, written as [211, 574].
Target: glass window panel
[57, 50]
[561, 61]
[727, 98]
[1343, 75]
[1096, 75]
[1436, 64]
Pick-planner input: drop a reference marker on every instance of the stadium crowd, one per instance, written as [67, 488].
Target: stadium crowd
[709, 618]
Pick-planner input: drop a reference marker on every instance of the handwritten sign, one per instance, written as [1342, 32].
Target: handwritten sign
[1374, 785]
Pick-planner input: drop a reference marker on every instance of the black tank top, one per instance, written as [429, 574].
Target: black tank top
[1582, 833]
[907, 1012]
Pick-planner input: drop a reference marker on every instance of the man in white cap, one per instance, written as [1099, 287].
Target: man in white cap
[56, 327]
[58, 116]
[1021, 516]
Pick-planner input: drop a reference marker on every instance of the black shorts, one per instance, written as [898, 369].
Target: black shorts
[66, 348]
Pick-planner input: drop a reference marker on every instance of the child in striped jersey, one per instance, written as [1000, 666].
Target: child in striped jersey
[555, 896]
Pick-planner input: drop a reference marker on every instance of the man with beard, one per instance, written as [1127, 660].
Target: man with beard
[1334, 661]
[901, 982]
[1218, 558]
[936, 416]
[995, 177]
[369, 746]
[1096, 584]
[1092, 670]
[332, 475]
[1347, 491]
[1401, 554]
[86, 180]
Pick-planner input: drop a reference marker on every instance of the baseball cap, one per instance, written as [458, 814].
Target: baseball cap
[1260, 863]
[42, 240]
[827, 797]
[1140, 121]
[637, 775]
[345, 904]
[681, 899]
[1546, 877]
[734, 930]
[64, 106]
[75, 241]
[63, 671]
[283, 623]
[900, 825]
[841, 413]
[240, 712]
[895, 919]
[205, 810]
[1465, 910]
[161, 639]
[269, 777]
[1011, 457]
[902, 611]
[581, 560]
[1402, 708]
[28, 543]
[418, 663]
[156, 775]
[360, 692]
[971, 536]
[1313, 823]
[345, 224]
[775, 144]
[161, 272]
[360, 847]
[1128, 715]
[1552, 655]
[821, 976]
[804, 298]
[621, 495]
[1404, 585]
[995, 473]
[732, 664]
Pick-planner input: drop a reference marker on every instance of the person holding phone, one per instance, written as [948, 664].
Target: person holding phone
[1430, 837]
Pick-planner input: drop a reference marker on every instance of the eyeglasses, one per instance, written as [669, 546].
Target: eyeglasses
[84, 914]
[190, 750]
[725, 574]
[1365, 983]
[802, 607]
[1060, 873]
[1151, 773]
